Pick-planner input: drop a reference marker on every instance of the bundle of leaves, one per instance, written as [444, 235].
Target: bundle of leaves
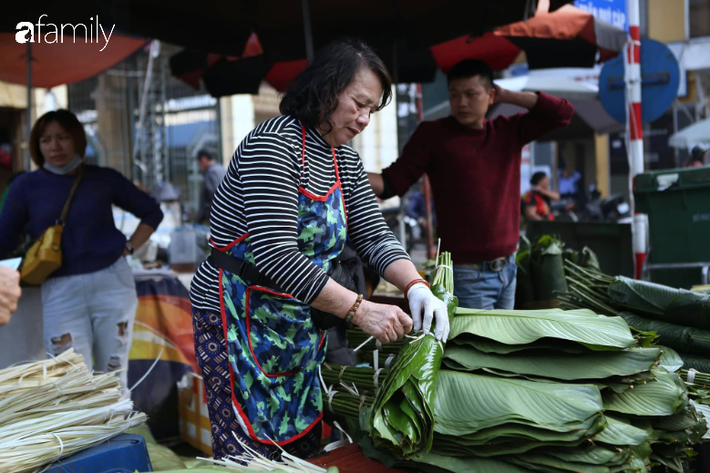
[541, 271]
[547, 268]
[610, 295]
[402, 419]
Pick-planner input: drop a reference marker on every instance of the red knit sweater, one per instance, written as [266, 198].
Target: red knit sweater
[475, 176]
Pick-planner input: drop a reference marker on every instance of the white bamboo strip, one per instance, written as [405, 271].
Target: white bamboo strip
[54, 408]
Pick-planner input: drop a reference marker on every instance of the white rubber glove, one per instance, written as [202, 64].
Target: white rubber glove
[425, 305]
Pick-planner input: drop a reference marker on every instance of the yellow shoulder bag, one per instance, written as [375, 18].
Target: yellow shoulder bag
[45, 256]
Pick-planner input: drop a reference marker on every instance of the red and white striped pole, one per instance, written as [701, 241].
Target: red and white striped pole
[634, 127]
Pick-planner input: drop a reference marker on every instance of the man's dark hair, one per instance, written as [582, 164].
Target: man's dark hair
[471, 68]
[205, 153]
[312, 96]
[537, 177]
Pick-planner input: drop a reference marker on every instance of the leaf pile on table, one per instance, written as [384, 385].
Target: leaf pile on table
[518, 391]
[679, 318]
[55, 408]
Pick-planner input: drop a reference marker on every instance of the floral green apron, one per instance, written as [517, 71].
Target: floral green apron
[274, 348]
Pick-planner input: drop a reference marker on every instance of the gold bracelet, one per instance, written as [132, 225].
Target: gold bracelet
[354, 308]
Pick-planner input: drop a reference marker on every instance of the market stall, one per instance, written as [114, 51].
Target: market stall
[597, 387]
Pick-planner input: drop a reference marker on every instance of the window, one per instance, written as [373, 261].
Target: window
[699, 18]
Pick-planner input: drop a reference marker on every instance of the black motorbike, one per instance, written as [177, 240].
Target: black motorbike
[592, 208]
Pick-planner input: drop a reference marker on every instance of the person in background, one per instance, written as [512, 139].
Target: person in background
[473, 165]
[570, 187]
[698, 157]
[10, 293]
[213, 173]
[568, 182]
[537, 201]
[90, 302]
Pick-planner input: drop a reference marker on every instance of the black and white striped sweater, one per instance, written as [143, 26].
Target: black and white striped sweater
[259, 195]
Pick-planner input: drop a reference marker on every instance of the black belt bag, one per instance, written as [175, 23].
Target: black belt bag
[248, 272]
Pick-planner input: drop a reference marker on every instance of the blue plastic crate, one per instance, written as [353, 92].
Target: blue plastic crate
[123, 454]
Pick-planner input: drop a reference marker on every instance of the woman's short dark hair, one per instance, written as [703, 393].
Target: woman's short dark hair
[471, 68]
[312, 96]
[537, 177]
[71, 125]
[698, 152]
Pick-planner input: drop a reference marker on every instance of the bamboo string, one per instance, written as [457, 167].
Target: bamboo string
[53, 408]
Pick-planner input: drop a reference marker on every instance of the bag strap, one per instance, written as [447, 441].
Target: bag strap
[65, 210]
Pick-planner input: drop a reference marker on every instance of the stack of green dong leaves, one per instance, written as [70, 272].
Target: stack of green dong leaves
[547, 390]
[680, 318]
[561, 391]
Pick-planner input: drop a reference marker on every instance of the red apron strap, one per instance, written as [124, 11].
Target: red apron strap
[303, 154]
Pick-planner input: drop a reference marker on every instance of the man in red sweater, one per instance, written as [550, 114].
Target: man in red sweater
[473, 164]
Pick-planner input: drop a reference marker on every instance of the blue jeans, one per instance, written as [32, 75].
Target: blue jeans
[486, 289]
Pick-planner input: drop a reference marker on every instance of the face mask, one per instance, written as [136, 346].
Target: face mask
[67, 168]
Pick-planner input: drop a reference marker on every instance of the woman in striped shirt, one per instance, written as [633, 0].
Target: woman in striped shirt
[293, 193]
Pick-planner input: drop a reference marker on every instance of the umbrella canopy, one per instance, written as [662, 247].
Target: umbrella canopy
[692, 135]
[56, 64]
[568, 84]
[588, 115]
[224, 26]
[559, 86]
[568, 37]
[418, 23]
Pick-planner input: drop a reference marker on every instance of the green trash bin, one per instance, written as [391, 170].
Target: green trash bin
[677, 202]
